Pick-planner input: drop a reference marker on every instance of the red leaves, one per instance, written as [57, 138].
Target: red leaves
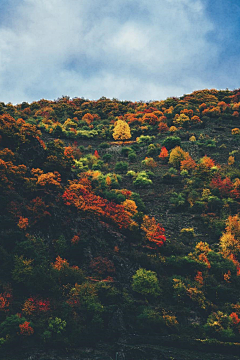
[225, 186]
[154, 232]
[102, 266]
[34, 305]
[5, 299]
[26, 329]
[78, 196]
[235, 318]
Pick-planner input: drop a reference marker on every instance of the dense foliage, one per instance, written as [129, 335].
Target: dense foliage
[120, 217]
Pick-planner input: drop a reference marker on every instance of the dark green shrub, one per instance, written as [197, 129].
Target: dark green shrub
[132, 156]
[104, 145]
[152, 150]
[121, 166]
[125, 151]
[107, 157]
[171, 141]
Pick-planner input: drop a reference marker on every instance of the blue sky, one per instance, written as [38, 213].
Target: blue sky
[125, 49]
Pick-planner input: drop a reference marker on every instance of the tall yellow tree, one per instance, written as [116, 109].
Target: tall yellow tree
[121, 130]
[177, 155]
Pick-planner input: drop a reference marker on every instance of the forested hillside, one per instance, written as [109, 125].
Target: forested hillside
[120, 227]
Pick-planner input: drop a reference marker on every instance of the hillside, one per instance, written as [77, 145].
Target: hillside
[120, 228]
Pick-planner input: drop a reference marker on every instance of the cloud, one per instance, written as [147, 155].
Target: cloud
[120, 48]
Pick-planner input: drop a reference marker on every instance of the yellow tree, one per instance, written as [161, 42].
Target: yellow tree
[178, 155]
[121, 130]
[230, 240]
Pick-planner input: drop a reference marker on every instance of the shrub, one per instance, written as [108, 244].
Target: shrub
[121, 166]
[132, 156]
[171, 141]
[131, 173]
[142, 180]
[104, 145]
[125, 151]
[177, 200]
[235, 131]
[107, 157]
[145, 282]
[144, 139]
[152, 150]
[149, 162]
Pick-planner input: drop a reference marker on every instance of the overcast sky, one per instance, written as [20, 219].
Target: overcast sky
[125, 49]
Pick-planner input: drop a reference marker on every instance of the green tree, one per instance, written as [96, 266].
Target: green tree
[145, 282]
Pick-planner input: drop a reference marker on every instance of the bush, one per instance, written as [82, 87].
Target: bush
[121, 166]
[177, 200]
[131, 173]
[142, 180]
[125, 150]
[107, 157]
[132, 156]
[145, 282]
[104, 145]
[152, 150]
[171, 141]
[145, 139]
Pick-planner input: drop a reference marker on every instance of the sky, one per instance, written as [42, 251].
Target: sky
[125, 49]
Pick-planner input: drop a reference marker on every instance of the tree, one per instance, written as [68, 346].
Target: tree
[177, 155]
[121, 130]
[145, 282]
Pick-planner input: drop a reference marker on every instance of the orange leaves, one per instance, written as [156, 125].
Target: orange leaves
[34, 305]
[39, 209]
[84, 200]
[5, 299]
[231, 160]
[235, 131]
[26, 329]
[23, 223]
[108, 181]
[68, 152]
[117, 214]
[235, 318]
[149, 162]
[227, 276]
[88, 118]
[188, 164]
[154, 232]
[60, 263]
[230, 240]
[10, 174]
[235, 262]
[75, 239]
[207, 162]
[199, 278]
[130, 206]
[49, 179]
[162, 127]
[150, 118]
[200, 253]
[233, 225]
[163, 154]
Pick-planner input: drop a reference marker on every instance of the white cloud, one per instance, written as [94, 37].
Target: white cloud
[120, 48]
